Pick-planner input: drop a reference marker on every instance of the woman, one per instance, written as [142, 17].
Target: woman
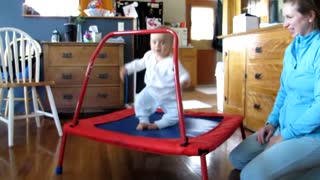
[288, 147]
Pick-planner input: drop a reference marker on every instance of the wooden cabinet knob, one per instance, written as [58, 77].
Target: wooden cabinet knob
[256, 106]
[103, 76]
[102, 95]
[258, 49]
[103, 56]
[68, 96]
[258, 76]
[66, 76]
[67, 55]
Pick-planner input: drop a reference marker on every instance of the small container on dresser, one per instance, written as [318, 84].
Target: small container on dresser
[66, 64]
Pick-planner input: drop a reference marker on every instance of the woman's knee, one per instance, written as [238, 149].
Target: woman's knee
[235, 159]
[256, 172]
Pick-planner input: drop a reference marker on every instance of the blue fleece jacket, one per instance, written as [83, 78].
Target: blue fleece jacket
[296, 111]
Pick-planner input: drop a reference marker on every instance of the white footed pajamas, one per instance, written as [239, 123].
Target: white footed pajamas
[159, 90]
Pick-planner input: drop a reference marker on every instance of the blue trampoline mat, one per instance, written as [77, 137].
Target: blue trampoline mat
[194, 126]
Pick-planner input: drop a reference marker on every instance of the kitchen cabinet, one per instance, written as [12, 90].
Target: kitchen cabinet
[234, 74]
[188, 58]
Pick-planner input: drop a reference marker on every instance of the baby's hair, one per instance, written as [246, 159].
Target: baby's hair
[167, 35]
[165, 27]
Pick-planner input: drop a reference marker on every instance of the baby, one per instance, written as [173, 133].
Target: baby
[160, 85]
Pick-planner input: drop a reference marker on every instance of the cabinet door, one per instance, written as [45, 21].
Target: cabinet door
[188, 58]
[234, 75]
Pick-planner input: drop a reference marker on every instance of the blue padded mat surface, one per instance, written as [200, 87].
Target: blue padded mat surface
[195, 126]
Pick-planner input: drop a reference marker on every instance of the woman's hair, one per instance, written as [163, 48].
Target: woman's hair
[305, 7]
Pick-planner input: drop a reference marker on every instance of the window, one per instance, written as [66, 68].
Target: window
[200, 17]
[202, 29]
[54, 7]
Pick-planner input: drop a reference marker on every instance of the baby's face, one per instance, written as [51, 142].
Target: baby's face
[161, 44]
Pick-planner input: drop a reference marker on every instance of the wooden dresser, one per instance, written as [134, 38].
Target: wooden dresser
[188, 57]
[252, 68]
[66, 64]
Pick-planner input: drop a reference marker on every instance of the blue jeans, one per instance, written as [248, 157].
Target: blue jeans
[297, 158]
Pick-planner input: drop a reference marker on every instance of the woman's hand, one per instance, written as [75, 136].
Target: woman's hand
[274, 140]
[264, 134]
[186, 84]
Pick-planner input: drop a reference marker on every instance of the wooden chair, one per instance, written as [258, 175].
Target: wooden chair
[20, 68]
[25, 97]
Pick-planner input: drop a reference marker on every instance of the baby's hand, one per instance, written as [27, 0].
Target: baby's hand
[123, 72]
[185, 84]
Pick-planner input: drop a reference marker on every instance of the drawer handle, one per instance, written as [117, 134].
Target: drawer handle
[103, 76]
[67, 55]
[225, 98]
[257, 106]
[258, 49]
[103, 56]
[102, 95]
[67, 96]
[258, 76]
[66, 76]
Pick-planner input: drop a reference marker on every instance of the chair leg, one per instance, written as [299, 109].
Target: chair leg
[26, 102]
[39, 101]
[1, 99]
[10, 116]
[7, 106]
[54, 110]
[35, 105]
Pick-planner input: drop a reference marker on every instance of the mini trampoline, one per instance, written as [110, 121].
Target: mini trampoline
[196, 134]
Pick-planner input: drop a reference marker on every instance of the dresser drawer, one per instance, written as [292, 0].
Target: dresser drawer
[267, 48]
[258, 108]
[64, 55]
[264, 75]
[75, 75]
[96, 97]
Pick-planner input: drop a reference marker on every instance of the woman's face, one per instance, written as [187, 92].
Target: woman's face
[295, 22]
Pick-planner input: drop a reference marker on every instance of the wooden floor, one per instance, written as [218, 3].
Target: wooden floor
[34, 156]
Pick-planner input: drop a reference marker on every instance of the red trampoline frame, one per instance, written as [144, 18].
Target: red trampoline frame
[193, 146]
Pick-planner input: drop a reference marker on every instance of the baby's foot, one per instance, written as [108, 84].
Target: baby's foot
[153, 127]
[142, 126]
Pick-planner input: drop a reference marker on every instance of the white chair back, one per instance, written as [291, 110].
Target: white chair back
[19, 55]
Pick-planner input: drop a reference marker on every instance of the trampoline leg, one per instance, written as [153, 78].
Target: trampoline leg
[61, 153]
[243, 134]
[204, 169]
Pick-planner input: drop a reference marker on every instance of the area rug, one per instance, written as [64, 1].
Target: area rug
[207, 89]
[194, 104]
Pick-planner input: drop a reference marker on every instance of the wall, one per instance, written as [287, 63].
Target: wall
[41, 28]
[174, 11]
